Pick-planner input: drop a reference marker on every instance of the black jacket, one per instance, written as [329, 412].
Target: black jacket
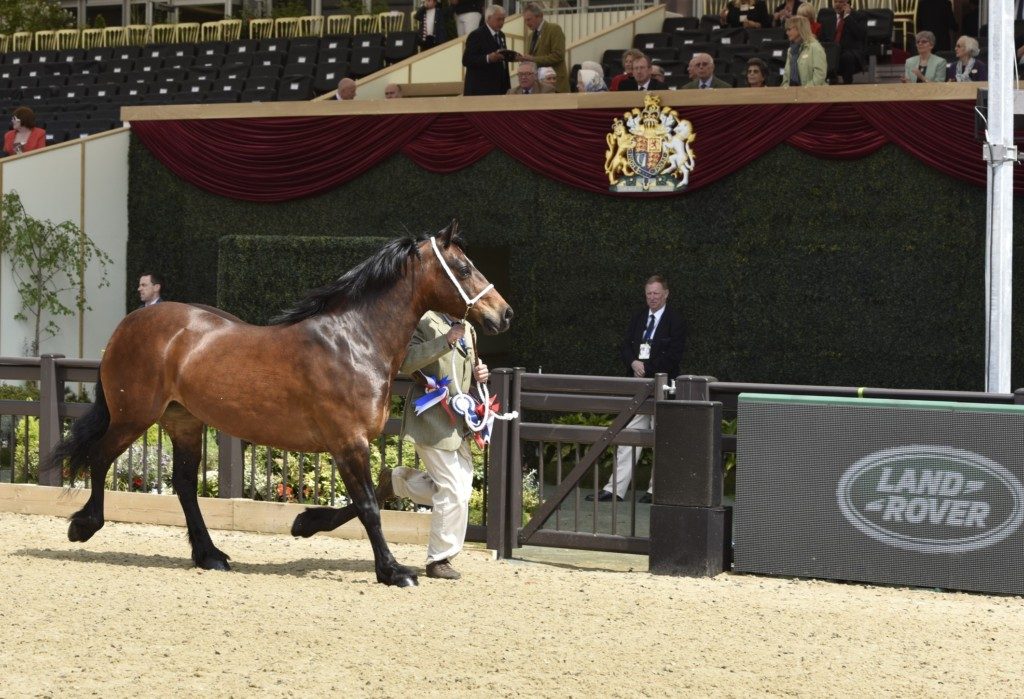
[629, 85]
[667, 345]
[483, 78]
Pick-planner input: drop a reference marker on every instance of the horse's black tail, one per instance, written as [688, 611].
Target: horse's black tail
[77, 446]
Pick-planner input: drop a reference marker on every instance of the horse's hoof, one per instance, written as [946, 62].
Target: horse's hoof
[399, 576]
[82, 529]
[406, 581]
[214, 564]
[301, 525]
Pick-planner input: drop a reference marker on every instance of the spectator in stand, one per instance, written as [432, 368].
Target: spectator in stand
[468, 14]
[658, 73]
[24, 135]
[848, 29]
[641, 79]
[806, 64]
[967, 68]
[485, 56]
[528, 83]
[627, 66]
[593, 66]
[757, 73]
[806, 9]
[431, 20]
[150, 285]
[785, 10]
[704, 70]
[746, 14]
[925, 67]
[545, 44]
[589, 81]
[547, 76]
[346, 89]
[691, 67]
[392, 91]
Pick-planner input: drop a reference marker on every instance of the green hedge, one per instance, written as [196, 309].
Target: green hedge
[794, 269]
[259, 276]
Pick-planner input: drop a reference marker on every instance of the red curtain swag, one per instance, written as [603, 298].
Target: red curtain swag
[288, 158]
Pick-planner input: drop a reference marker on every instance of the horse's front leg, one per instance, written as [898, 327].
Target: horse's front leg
[354, 465]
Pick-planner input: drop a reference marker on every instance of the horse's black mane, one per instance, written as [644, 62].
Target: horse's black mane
[380, 271]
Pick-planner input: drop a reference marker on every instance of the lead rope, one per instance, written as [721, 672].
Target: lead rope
[463, 403]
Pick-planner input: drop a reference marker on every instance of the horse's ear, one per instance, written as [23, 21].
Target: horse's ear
[448, 234]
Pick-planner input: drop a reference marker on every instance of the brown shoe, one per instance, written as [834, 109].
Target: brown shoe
[385, 491]
[443, 570]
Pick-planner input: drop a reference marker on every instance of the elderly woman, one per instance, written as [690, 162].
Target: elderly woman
[925, 67]
[967, 68]
[590, 81]
[806, 64]
[24, 135]
[547, 75]
[757, 73]
[748, 14]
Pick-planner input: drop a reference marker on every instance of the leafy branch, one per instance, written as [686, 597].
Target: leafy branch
[47, 260]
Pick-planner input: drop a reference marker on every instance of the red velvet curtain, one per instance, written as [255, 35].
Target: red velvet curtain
[287, 158]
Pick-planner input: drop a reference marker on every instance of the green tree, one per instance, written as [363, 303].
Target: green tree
[47, 261]
[32, 16]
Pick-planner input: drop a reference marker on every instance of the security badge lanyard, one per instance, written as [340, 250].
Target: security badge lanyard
[645, 351]
[645, 346]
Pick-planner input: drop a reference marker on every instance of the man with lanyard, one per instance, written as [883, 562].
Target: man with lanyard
[440, 441]
[653, 344]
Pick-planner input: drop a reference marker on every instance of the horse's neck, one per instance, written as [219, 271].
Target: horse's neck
[392, 318]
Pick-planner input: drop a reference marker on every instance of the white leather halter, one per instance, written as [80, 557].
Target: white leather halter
[448, 270]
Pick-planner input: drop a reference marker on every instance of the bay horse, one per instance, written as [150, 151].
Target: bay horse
[317, 379]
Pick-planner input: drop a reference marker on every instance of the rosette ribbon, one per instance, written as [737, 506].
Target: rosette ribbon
[436, 392]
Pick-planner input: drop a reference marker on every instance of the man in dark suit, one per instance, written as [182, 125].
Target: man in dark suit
[641, 78]
[431, 20]
[149, 288]
[654, 344]
[486, 69]
[849, 30]
[704, 73]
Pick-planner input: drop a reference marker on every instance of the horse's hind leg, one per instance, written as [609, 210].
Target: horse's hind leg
[186, 432]
[354, 466]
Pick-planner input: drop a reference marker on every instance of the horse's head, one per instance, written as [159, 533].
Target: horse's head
[459, 284]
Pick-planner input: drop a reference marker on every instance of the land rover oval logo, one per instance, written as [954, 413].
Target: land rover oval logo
[931, 499]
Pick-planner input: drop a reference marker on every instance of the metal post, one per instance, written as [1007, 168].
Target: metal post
[689, 387]
[51, 393]
[230, 466]
[498, 538]
[1000, 153]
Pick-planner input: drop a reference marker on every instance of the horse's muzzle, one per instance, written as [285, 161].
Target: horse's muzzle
[498, 322]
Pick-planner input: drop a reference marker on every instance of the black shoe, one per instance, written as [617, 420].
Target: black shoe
[646, 497]
[442, 570]
[604, 496]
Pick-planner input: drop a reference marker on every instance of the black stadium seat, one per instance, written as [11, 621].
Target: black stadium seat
[328, 75]
[299, 69]
[178, 51]
[241, 46]
[148, 65]
[125, 53]
[211, 48]
[232, 85]
[8, 73]
[296, 87]
[21, 83]
[665, 55]
[234, 72]
[171, 75]
[44, 56]
[271, 71]
[366, 60]
[367, 41]
[70, 55]
[672, 25]
[303, 54]
[336, 43]
[399, 45]
[329, 56]
[646, 42]
[768, 35]
[203, 73]
[269, 58]
[275, 44]
[13, 58]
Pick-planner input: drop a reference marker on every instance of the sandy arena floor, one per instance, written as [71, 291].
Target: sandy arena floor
[127, 615]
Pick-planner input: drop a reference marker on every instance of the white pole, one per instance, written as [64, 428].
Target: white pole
[1000, 153]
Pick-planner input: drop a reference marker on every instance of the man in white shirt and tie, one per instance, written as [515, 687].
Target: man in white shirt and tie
[654, 344]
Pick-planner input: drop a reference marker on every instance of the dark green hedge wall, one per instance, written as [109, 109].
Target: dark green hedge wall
[258, 276]
[794, 269]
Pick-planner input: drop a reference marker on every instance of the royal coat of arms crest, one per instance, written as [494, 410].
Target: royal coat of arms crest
[650, 149]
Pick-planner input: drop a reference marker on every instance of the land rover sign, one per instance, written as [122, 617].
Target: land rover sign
[896, 492]
[931, 499]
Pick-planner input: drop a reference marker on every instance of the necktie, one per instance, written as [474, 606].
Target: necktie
[423, 29]
[650, 328]
[526, 91]
[641, 88]
[533, 41]
[839, 29]
[501, 40]
[703, 86]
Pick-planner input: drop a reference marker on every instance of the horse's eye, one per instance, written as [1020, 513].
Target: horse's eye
[465, 271]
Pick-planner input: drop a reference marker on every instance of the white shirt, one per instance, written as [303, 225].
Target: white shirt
[657, 319]
[428, 20]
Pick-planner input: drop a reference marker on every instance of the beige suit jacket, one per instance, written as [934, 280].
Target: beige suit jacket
[429, 353]
[538, 89]
[550, 52]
